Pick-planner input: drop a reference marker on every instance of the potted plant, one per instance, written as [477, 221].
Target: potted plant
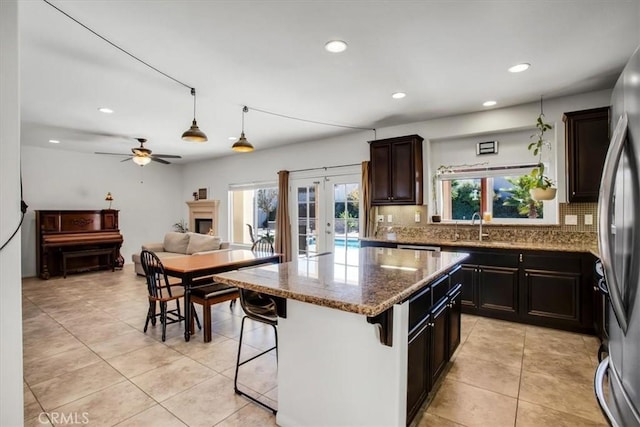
[542, 187]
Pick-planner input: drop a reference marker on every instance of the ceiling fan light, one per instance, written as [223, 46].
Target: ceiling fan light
[194, 134]
[242, 145]
[138, 160]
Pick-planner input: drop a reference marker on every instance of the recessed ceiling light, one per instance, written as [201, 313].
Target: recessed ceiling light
[335, 46]
[519, 68]
[398, 95]
[232, 138]
[105, 110]
[489, 103]
[54, 141]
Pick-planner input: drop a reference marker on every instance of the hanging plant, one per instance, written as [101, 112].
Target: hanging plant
[541, 185]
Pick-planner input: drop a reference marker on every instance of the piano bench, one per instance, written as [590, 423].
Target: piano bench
[87, 253]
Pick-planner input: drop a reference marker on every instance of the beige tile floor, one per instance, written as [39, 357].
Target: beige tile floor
[87, 359]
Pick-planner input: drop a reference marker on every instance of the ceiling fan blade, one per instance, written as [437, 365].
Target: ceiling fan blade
[113, 154]
[127, 159]
[155, 159]
[167, 156]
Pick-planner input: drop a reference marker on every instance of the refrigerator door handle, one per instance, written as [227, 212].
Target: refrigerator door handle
[605, 201]
[598, 382]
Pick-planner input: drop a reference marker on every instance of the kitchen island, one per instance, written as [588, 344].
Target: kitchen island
[345, 333]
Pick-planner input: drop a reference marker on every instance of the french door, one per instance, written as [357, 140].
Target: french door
[326, 216]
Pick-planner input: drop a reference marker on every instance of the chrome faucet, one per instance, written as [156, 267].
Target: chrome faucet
[473, 221]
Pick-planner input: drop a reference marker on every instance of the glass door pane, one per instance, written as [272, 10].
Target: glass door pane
[306, 219]
[326, 217]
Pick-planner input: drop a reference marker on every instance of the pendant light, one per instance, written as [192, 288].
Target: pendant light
[194, 134]
[242, 145]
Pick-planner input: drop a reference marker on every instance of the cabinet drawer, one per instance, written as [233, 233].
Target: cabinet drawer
[497, 259]
[419, 308]
[566, 263]
[439, 289]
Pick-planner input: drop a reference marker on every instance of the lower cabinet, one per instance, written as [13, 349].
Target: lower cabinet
[551, 289]
[434, 335]
[418, 376]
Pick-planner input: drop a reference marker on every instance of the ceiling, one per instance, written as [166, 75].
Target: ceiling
[448, 56]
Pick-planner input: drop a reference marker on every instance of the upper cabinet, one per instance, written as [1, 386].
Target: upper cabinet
[587, 136]
[396, 171]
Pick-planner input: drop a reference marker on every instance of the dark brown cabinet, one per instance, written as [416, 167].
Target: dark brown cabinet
[396, 171]
[469, 295]
[455, 315]
[439, 348]
[552, 289]
[434, 334]
[418, 376]
[490, 283]
[587, 141]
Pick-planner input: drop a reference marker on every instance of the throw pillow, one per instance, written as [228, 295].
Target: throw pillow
[176, 242]
[202, 242]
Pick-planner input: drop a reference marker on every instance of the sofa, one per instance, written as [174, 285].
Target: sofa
[181, 245]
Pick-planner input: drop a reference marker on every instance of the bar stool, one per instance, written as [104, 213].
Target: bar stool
[261, 308]
[207, 296]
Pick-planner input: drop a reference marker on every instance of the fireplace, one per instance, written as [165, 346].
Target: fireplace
[203, 225]
[203, 215]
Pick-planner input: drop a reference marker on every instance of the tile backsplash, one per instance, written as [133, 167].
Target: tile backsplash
[405, 216]
[403, 223]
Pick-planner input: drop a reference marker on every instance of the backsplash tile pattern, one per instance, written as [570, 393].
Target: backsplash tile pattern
[404, 216]
[403, 224]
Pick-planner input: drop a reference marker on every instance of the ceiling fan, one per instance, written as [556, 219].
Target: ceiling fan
[142, 156]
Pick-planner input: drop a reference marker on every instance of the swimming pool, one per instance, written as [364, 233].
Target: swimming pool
[352, 242]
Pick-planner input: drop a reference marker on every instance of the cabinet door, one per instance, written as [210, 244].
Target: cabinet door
[403, 175]
[455, 313]
[467, 277]
[380, 173]
[439, 350]
[498, 291]
[418, 385]
[552, 298]
[587, 135]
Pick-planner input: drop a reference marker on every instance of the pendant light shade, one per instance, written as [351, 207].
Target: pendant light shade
[242, 145]
[194, 134]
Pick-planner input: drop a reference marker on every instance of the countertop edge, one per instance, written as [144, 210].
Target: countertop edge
[492, 244]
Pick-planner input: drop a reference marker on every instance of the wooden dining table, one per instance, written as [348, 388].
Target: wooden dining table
[191, 268]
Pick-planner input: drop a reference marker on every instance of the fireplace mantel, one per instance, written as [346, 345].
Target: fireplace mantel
[203, 209]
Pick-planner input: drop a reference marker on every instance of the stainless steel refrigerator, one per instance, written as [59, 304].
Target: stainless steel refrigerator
[617, 379]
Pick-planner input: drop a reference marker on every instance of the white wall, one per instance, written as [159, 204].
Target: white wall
[262, 165]
[58, 179]
[11, 393]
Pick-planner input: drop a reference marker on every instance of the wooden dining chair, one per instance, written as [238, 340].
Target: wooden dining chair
[162, 292]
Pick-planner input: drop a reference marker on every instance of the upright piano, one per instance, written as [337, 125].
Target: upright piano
[73, 240]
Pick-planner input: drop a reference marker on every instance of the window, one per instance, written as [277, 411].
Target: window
[253, 205]
[503, 196]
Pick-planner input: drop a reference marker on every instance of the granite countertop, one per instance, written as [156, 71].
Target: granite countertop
[370, 284]
[541, 246]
